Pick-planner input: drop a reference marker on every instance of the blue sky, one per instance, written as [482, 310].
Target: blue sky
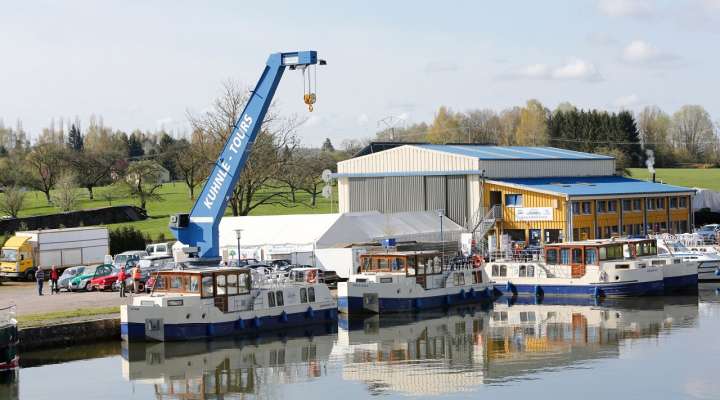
[146, 64]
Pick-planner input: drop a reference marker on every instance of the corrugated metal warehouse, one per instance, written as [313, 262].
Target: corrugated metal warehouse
[466, 181]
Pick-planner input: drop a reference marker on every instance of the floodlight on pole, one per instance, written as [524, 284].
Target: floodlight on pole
[238, 234]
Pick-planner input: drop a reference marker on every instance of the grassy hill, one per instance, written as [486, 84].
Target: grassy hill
[688, 177]
[175, 199]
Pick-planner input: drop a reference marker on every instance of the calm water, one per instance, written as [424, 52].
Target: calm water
[660, 348]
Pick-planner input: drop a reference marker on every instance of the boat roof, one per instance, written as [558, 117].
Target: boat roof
[203, 270]
[600, 242]
[402, 253]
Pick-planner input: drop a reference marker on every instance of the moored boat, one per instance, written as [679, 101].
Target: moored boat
[8, 338]
[591, 268]
[708, 262]
[411, 281]
[213, 302]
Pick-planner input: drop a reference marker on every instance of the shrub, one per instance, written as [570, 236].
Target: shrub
[125, 239]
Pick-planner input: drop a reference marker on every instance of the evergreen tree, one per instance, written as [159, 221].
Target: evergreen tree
[75, 138]
[135, 147]
[327, 146]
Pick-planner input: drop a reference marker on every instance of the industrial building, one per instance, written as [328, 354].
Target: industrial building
[529, 194]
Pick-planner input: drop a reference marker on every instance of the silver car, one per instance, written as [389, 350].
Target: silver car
[67, 275]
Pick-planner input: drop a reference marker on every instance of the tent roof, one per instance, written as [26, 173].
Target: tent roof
[373, 225]
[262, 230]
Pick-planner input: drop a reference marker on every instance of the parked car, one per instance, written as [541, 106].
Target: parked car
[67, 275]
[279, 263]
[708, 233]
[82, 281]
[104, 282]
[121, 259]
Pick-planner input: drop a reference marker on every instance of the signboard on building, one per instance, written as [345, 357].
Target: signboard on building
[466, 243]
[533, 214]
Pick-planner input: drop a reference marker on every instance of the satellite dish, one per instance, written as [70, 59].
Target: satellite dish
[327, 191]
[326, 175]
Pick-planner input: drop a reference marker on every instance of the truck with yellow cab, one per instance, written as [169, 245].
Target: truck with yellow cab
[27, 251]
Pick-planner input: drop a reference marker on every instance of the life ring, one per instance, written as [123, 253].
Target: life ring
[477, 261]
[311, 276]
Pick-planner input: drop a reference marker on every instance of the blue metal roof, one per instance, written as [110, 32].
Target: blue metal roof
[513, 152]
[596, 185]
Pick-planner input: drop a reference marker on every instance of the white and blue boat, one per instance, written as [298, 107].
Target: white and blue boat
[214, 302]
[706, 258]
[599, 268]
[411, 281]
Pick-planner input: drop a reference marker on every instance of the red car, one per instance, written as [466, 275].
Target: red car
[104, 282]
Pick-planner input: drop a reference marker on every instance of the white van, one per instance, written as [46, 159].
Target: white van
[159, 249]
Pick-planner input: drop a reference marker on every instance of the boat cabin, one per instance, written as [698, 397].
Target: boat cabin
[219, 283]
[418, 264]
[593, 252]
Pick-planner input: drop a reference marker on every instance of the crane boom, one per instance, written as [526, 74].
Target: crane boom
[200, 229]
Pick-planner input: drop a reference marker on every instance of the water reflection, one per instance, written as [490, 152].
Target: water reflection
[227, 368]
[455, 353]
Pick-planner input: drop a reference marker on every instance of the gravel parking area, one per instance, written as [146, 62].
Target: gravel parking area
[24, 295]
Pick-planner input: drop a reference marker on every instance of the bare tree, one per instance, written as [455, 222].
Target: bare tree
[143, 181]
[66, 195]
[190, 161]
[45, 163]
[693, 131]
[12, 201]
[94, 167]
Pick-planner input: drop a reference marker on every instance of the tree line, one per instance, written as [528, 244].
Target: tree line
[66, 159]
[687, 136]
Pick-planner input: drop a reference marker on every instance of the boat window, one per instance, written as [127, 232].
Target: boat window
[503, 270]
[386, 280]
[207, 286]
[622, 266]
[194, 284]
[551, 256]
[279, 298]
[565, 256]
[303, 295]
[243, 283]
[522, 271]
[456, 279]
[603, 253]
[271, 299]
[527, 316]
[311, 294]
[411, 262]
[366, 263]
[159, 283]
[176, 282]
[590, 256]
[398, 264]
[530, 270]
[220, 283]
[461, 278]
[577, 256]
[232, 287]
[421, 267]
[495, 270]
[658, 262]
[382, 263]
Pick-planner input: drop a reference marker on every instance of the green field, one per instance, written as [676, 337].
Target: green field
[689, 177]
[175, 199]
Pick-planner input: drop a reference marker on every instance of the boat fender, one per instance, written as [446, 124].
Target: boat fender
[538, 291]
[448, 299]
[717, 271]
[597, 292]
[257, 322]
[509, 287]
[310, 313]
[418, 303]
[241, 324]
[463, 295]
[283, 317]
[717, 291]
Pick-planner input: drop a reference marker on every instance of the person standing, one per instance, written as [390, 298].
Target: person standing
[136, 279]
[121, 281]
[54, 280]
[40, 278]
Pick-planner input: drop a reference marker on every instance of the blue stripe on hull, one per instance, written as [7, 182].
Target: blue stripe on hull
[354, 305]
[624, 289]
[177, 332]
[681, 283]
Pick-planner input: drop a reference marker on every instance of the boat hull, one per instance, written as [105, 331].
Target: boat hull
[251, 326]
[709, 271]
[618, 289]
[355, 302]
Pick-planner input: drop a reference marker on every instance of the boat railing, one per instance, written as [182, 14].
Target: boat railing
[525, 255]
[7, 314]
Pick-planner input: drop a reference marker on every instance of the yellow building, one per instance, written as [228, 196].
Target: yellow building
[547, 210]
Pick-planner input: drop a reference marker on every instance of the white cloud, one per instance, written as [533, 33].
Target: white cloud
[439, 66]
[643, 53]
[626, 8]
[574, 69]
[628, 101]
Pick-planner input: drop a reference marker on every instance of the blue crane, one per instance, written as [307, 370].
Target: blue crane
[199, 230]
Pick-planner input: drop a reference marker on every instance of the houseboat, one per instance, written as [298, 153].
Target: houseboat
[589, 268]
[212, 302]
[708, 262]
[8, 338]
[411, 281]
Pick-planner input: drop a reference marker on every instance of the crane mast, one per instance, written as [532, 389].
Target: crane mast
[199, 230]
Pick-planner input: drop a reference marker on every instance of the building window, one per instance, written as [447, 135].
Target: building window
[627, 205]
[663, 227]
[513, 200]
[637, 205]
[683, 226]
[683, 202]
[650, 203]
[612, 206]
[673, 202]
[586, 208]
[576, 207]
[601, 206]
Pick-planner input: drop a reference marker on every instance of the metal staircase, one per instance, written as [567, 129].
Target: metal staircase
[482, 225]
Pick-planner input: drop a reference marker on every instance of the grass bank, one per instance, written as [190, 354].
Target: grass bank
[56, 316]
[689, 177]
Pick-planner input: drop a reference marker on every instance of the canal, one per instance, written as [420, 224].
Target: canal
[659, 348]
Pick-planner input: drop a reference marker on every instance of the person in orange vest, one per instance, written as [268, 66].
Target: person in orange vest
[121, 281]
[136, 275]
